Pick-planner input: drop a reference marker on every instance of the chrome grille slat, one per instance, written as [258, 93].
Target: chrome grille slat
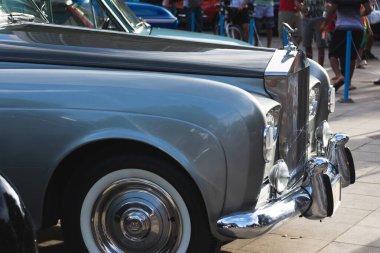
[291, 89]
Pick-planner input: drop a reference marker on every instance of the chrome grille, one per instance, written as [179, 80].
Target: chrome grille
[291, 89]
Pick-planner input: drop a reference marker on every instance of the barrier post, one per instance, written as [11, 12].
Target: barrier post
[285, 38]
[192, 21]
[221, 21]
[251, 29]
[347, 71]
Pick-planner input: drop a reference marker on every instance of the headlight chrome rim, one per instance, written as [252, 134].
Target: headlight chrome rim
[314, 98]
[279, 176]
[271, 133]
[331, 103]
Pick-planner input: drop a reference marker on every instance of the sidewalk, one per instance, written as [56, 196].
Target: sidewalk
[356, 225]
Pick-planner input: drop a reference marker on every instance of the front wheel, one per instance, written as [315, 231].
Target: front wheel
[234, 31]
[133, 203]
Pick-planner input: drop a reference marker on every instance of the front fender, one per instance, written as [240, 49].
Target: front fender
[318, 72]
[196, 149]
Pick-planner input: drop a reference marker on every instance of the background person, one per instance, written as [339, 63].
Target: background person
[193, 6]
[264, 19]
[367, 52]
[349, 13]
[361, 60]
[240, 16]
[289, 13]
[311, 23]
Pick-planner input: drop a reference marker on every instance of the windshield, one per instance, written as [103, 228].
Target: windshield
[21, 7]
[128, 15]
[95, 14]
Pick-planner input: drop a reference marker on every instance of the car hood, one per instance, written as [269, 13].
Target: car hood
[193, 36]
[52, 44]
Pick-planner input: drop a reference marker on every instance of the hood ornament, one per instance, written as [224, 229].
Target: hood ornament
[288, 43]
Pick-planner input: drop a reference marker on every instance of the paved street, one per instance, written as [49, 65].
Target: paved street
[356, 226]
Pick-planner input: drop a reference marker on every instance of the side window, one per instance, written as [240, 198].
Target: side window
[81, 13]
[19, 6]
[102, 21]
[72, 14]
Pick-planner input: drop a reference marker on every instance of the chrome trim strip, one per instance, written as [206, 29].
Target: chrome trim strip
[321, 176]
[119, 21]
[314, 199]
[331, 99]
[159, 20]
[251, 224]
[336, 153]
[281, 63]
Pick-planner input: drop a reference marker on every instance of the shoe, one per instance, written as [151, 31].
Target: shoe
[338, 84]
[363, 62]
[370, 56]
[360, 66]
[376, 82]
[352, 87]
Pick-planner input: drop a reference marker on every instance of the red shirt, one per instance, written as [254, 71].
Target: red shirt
[287, 5]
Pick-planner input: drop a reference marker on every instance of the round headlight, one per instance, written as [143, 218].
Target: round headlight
[331, 99]
[323, 133]
[313, 101]
[279, 176]
[271, 133]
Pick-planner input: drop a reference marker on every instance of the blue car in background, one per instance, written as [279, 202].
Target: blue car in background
[156, 16]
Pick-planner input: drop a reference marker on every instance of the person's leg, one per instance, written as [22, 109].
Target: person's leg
[246, 32]
[258, 26]
[321, 42]
[368, 48]
[352, 69]
[256, 40]
[188, 18]
[321, 55]
[257, 30]
[259, 16]
[335, 52]
[269, 23]
[308, 36]
[298, 25]
[279, 26]
[198, 19]
[269, 37]
[245, 26]
[284, 17]
[335, 65]
[309, 52]
[356, 39]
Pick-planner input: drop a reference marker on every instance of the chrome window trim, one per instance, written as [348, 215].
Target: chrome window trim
[116, 17]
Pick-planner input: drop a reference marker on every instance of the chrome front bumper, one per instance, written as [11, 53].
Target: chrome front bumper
[317, 198]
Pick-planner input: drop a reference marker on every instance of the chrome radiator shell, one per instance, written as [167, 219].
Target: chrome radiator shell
[287, 81]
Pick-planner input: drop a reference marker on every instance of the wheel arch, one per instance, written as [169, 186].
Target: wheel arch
[66, 168]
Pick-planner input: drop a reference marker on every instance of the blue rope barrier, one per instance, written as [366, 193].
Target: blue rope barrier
[251, 30]
[221, 24]
[348, 65]
[192, 21]
[285, 38]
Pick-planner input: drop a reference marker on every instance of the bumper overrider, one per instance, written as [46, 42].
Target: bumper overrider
[318, 196]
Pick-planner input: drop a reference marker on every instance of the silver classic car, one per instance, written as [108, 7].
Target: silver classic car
[147, 144]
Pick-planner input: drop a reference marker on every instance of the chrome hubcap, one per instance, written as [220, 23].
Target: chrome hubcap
[135, 225]
[136, 215]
